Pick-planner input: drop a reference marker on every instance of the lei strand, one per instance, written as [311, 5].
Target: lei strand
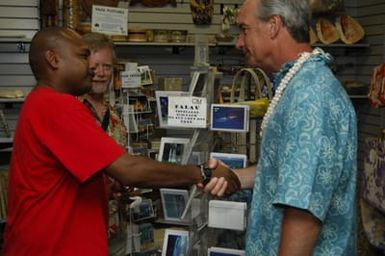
[283, 84]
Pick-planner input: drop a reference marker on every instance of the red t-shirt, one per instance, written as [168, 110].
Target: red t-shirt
[57, 201]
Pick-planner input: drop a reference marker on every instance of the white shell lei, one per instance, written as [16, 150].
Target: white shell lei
[284, 82]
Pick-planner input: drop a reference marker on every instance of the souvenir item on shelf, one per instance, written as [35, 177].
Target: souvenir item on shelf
[373, 222]
[258, 102]
[313, 36]
[377, 87]
[202, 11]
[119, 38]
[49, 13]
[374, 172]
[153, 3]
[3, 194]
[86, 6]
[71, 15]
[14, 93]
[349, 29]
[4, 127]
[373, 191]
[178, 36]
[228, 18]
[326, 31]
[137, 35]
[326, 6]
[161, 36]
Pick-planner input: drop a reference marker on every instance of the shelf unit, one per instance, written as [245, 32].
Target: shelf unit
[188, 44]
[12, 100]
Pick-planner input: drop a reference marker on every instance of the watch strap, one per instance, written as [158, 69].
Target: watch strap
[206, 173]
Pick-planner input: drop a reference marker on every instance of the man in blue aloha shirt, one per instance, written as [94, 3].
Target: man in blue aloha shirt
[304, 184]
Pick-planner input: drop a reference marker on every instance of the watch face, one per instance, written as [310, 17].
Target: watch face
[208, 172]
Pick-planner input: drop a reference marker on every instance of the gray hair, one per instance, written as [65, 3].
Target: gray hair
[97, 41]
[295, 15]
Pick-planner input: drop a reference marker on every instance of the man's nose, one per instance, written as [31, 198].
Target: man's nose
[239, 43]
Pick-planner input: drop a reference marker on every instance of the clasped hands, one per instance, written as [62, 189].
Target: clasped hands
[223, 181]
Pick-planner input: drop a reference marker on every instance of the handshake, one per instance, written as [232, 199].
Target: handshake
[223, 180]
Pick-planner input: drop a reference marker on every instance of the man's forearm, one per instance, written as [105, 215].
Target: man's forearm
[246, 176]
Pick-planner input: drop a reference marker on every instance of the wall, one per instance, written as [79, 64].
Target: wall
[19, 20]
[371, 14]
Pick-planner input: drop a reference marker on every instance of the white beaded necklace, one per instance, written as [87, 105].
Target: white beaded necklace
[284, 82]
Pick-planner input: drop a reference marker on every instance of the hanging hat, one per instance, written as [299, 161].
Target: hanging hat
[349, 29]
[326, 32]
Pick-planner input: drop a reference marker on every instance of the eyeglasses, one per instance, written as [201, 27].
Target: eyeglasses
[104, 67]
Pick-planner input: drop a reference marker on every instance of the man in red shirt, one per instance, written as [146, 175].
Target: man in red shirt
[57, 198]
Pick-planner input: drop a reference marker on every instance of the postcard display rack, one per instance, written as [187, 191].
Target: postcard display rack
[174, 221]
[183, 214]
[137, 105]
[186, 110]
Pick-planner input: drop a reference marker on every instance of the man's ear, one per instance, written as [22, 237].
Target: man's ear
[52, 59]
[275, 25]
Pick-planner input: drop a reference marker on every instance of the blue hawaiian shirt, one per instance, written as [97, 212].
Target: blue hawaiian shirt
[307, 161]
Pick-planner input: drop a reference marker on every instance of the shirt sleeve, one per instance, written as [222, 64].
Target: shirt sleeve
[71, 134]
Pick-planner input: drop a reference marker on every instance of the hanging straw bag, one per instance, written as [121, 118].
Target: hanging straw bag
[245, 82]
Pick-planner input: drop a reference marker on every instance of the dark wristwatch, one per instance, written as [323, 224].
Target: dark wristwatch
[206, 173]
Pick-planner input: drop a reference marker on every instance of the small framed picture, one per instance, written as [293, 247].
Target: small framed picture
[144, 210]
[219, 251]
[198, 83]
[145, 75]
[231, 118]
[129, 118]
[139, 103]
[174, 202]
[234, 161]
[175, 242]
[162, 104]
[146, 231]
[173, 150]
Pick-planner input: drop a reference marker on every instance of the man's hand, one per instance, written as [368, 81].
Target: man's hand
[224, 181]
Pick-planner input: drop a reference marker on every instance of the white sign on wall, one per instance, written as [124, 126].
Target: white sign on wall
[109, 20]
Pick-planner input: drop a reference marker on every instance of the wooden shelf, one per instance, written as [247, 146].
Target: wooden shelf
[358, 96]
[186, 44]
[6, 140]
[341, 45]
[12, 100]
[14, 39]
